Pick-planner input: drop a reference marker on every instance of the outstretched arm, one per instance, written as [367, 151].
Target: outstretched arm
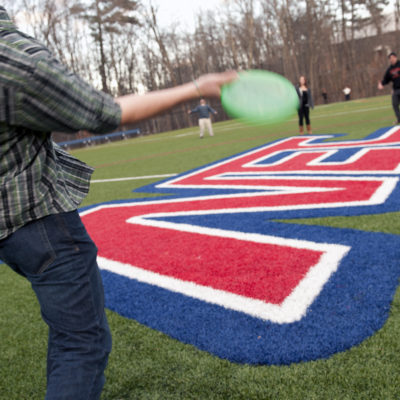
[386, 79]
[135, 107]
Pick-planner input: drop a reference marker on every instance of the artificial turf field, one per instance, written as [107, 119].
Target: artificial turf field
[146, 364]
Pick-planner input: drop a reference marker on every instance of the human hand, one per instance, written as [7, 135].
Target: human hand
[380, 86]
[210, 85]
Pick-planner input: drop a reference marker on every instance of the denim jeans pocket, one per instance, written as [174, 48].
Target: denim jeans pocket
[28, 250]
[65, 226]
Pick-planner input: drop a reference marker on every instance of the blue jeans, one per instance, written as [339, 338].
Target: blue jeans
[58, 257]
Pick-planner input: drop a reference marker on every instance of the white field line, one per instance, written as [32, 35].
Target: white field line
[132, 178]
[239, 125]
[353, 111]
[327, 115]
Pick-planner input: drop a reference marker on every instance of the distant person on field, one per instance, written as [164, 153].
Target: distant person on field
[346, 92]
[204, 110]
[324, 95]
[306, 102]
[42, 236]
[393, 75]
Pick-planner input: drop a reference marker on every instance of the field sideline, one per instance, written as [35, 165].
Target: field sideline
[146, 364]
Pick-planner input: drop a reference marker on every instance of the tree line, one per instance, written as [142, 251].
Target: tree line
[120, 47]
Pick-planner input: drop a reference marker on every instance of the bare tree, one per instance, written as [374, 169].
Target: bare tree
[375, 9]
[106, 17]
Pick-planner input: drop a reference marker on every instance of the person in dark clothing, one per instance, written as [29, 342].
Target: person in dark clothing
[325, 95]
[306, 102]
[203, 110]
[393, 75]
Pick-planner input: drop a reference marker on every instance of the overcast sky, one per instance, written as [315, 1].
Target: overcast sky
[182, 11]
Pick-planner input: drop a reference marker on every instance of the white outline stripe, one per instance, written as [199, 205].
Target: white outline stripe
[295, 306]
[302, 147]
[292, 309]
[379, 197]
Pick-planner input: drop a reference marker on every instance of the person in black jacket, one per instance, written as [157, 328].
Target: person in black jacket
[306, 102]
[393, 75]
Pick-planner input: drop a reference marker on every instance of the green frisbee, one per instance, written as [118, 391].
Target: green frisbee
[260, 97]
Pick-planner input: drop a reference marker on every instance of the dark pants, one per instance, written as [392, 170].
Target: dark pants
[396, 103]
[58, 257]
[304, 112]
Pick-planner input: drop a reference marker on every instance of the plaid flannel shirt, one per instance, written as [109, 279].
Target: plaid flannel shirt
[37, 96]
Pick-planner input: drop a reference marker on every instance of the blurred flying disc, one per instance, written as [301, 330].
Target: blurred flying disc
[260, 97]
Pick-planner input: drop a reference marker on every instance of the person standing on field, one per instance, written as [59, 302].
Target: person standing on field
[204, 110]
[393, 75]
[347, 92]
[42, 236]
[325, 95]
[306, 102]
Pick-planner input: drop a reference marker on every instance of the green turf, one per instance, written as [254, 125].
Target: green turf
[146, 364]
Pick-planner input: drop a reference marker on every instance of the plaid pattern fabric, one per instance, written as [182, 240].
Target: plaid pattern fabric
[37, 96]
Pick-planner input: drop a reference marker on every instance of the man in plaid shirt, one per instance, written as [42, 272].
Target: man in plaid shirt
[41, 186]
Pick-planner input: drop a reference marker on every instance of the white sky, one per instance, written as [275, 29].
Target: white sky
[170, 12]
[181, 11]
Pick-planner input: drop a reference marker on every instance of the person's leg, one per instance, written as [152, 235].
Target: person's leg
[396, 103]
[301, 116]
[201, 125]
[307, 118]
[209, 126]
[58, 257]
